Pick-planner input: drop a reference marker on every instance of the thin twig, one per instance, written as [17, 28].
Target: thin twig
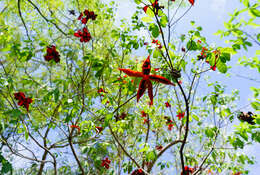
[20, 14]
[47, 20]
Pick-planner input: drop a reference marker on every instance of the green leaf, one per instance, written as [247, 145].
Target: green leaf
[256, 135]
[147, 19]
[254, 12]
[138, 1]
[163, 21]
[209, 132]
[155, 30]
[108, 118]
[99, 72]
[26, 135]
[236, 46]
[88, 56]
[244, 135]
[255, 105]
[144, 149]
[238, 143]
[222, 67]
[172, 46]
[191, 45]
[156, 53]
[5, 164]
[172, 55]
[226, 56]
[56, 93]
[256, 91]
[213, 99]
[14, 113]
[43, 43]
[226, 25]
[150, 12]
[151, 155]
[195, 117]
[199, 28]
[183, 37]
[246, 3]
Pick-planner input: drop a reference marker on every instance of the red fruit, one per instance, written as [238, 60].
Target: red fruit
[146, 83]
[146, 121]
[105, 163]
[159, 147]
[213, 67]
[170, 126]
[138, 172]
[169, 121]
[22, 100]
[75, 126]
[180, 115]
[167, 104]
[187, 170]
[145, 8]
[99, 129]
[238, 173]
[84, 36]
[84, 20]
[101, 90]
[52, 53]
[19, 96]
[88, 15]
[143, 114]
[122, 116]
[192, 2]
[80, 16]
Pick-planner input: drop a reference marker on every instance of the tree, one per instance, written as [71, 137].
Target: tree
[66, 107]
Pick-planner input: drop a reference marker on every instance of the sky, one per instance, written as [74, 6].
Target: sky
[211, 14]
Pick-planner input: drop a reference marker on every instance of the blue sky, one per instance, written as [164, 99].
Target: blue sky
[211, 14]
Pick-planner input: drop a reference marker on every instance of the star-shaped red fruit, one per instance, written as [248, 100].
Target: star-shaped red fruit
[167, 104]
[146, 83]
[187, 171]
[22, 100]
[84, 35]
[181, 115]
[89, 15]
[52, 53]
[105, 163]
